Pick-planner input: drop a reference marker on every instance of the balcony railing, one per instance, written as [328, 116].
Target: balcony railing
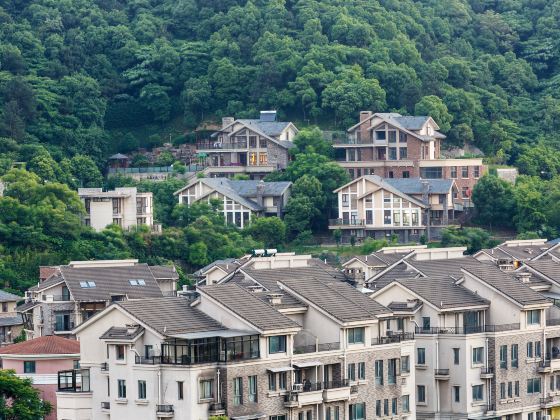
[61, 298]
[346, 222]
[487, 371]
[395, 338]
[552, 322]
[186, 360]
[216, 145]
[467, 330]
[67, 326]
[336, 384]
[75, 380]
[105, 405]
[313, 348]
[307, 387]
[165, 408]
[441, 372]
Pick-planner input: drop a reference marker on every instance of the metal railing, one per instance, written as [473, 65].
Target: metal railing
[346, 222]
[467, 330]
[61, 298]
[146, 169]
[336, 384]
[487, 371]
[547, 400]
[313, 348]
[551, 322]
[165, 408]
[441, 372]
[105, 405]
[395, 338]
[216, 145]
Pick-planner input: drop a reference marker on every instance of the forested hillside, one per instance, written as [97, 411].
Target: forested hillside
[77, 75]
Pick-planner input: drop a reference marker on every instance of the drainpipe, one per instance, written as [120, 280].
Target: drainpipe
[437, 382]
[159, 385]
[218, 386]
[487, 364]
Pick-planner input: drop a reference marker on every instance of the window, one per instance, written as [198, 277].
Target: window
[403, 152]
[280, 417]
[263, 159]
[252, 389]
[29, 366]
[465, 192]
[277, 344]
[420, 356]
[380, 135]
[137, 282]
[282, 380]
[514, 355]
[141, 390]
[406, 174]
[516, 388]
[534, 386]
[421, 393]
[62, 322]
[425, 322]
[355, 335]
[502, 390]
[510, 389]
[121, 386]
[148, 351]
[405, 364]
[262, 143]
[378, 408]
[119, 351]
[405, 402]
[180, 394]
[476, 171]
[454, 172]
[457, 394]
[478, 392]
[252, 141]
[530, 349]
[271, 381]
[379, 372]
[206, 389]
[477, 354]
[503, 357]
[238, 390]
[392, 371]
[534, 317]
[362, 370]
[394, 406]
[537, 349]
[431, 173]
[530, 416]
[358, 411]
[392, 153]
[386, 407]
[465, 172]
[456, 356]
[352, 371]
[333, 413]
[5, 305]
[392, 136]
[345, 200]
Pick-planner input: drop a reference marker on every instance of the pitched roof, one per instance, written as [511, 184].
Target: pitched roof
[342, 301]
[164, 272]
[48, 344]
[549, 268]
[410, 124]
[9, 297]
[49, 282]
[270, 128]
[244, 304]
[444, 267]
[10, 321]
[110, 281]
[122, 333]
[415, 185]
[269, 278]
[400, 271]
[442, 292]
[507, 284]
[170, 315]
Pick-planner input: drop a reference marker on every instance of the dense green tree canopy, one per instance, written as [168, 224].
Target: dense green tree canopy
[19, 400]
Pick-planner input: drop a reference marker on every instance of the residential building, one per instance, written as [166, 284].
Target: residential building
[11, 322]
[77, 291]
[394, 146]
[312, 348]
[239, 200]
[40, 360]
[371, 206]
[510, 255]
[486, 340]
[252, 146]
[125, 207]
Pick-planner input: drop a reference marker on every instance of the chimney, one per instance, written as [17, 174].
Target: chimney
[268, 116]
[260, 193]
[274, 298]
[425, 191]
[364, 115]
[227, 121]
[524, 277]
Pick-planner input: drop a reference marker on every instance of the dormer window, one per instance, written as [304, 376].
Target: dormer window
[87, 284]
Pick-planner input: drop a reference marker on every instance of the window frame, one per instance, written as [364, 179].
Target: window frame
[29, 366]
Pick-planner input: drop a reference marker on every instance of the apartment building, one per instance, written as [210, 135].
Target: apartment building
[302, 347]
[11, 322]
[511, 255]
[240, 200]
[255, 147]
[394, 146]
[486, 340]
[75, 292]
[371, 206]
[125, 207]
[40, 360]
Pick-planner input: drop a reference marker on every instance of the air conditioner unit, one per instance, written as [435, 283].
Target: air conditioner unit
[297, 387]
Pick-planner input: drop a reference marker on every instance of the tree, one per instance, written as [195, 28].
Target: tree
[271, 231]
[474, 239]
[85, 171]
[434, 107]
[19, 400]
[165, 158]
[312, 140]
[494, 201]
[299, 213]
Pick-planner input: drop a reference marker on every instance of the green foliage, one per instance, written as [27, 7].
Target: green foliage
[473, 238]
[21, 337]
[494, 201]
[19, 400]
[271, 231]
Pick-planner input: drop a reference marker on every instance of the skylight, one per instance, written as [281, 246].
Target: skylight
[137, 282]
[87, 284]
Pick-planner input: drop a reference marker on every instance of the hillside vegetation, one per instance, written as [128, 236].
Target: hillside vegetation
[80, 76]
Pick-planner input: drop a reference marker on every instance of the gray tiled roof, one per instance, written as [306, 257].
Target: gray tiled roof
[507, 284]
[51, 281]
[24, 307]
[121, 333]
[170, 315]
[10, 321]
[442, 292]
[8, 297]
[398, 272]
[342, 301]
[448, 267]
[269, 278]
[270, 128]
[404, 307]
[383, 183]
[549, 268]
[244, 304]
[413, 123]
[164, 272]
[414, 185]
[110, 281]
[521, 252]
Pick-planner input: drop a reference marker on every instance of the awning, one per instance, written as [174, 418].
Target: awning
[280, 369]
[249, 417]
[307, 363]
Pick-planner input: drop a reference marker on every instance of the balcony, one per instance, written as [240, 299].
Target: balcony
[394, 338]
[217, 409]
[552, 322]
[59, 298]
[467, 330]
[549, 365]
[165, 410]
[349, 223]
[105, 406]
[304, 394]
[487, 373]
[314, 348]
[75, 380]
[441, 374]
[336, 391]
[548, 402]
[216, 145]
